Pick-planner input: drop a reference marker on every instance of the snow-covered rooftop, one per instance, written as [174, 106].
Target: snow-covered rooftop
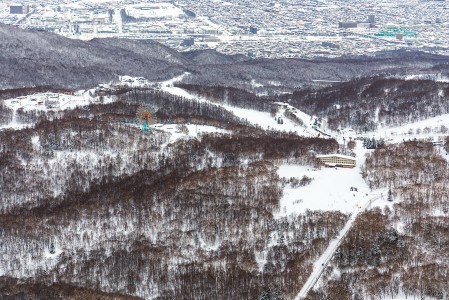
[336, 155]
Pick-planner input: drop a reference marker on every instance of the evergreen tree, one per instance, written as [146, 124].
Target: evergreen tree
[390, 196]
[51, 248]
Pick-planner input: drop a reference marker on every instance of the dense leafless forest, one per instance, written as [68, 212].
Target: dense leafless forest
[402, 249]
[94, 207]
[364, 104]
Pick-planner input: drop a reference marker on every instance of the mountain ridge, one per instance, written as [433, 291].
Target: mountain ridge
[37, 58]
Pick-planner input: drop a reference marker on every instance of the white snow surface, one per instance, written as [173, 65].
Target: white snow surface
[50, 102]
[194, 131]
[425, 129]
[259, 118]
[329, 189]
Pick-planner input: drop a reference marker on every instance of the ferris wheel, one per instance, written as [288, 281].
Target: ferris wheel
[145, 116]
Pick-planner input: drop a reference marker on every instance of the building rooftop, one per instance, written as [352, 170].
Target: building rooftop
[336, 155]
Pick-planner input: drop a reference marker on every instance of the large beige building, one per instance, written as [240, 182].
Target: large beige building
[337, 160]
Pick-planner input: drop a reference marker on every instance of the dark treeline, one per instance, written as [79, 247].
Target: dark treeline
[364, 103]
[173, 108]
[6, 114]
[13, 288]
[446, 144]
[272, 146]
[230, 96]
[18, 92]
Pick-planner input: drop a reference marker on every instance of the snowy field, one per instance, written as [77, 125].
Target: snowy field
[50, 102]
[193, 131]
[40, 102]
[432, 128]
[331, 189]
[328, 191]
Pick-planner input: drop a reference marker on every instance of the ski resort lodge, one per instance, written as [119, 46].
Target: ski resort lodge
[337, 160]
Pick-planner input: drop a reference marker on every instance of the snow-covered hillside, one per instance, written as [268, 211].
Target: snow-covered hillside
[216, 199]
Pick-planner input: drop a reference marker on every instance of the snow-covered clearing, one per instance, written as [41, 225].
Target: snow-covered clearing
[312, 126]
[262, 119]
[330, 189]
[46, 102]
[168, 86]
[54, 101]
[432, 128]
[192, 131]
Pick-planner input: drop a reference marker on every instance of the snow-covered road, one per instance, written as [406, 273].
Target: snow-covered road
[321, 264]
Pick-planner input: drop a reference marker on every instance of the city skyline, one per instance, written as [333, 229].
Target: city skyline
[263, 29]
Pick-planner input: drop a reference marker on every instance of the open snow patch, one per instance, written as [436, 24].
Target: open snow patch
[329, 190]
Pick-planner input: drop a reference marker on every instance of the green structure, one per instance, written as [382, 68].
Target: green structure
[393, 31]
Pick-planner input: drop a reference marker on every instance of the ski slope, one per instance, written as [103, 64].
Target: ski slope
[191, 131]
[330, 190]
[258, 118]
[432, 128]
[337, 196]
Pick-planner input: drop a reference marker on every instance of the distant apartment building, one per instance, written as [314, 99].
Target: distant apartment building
[337, 160]
[18, 9]
[330, 45]
[253, 29]
[347, 25]
[188, 42]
